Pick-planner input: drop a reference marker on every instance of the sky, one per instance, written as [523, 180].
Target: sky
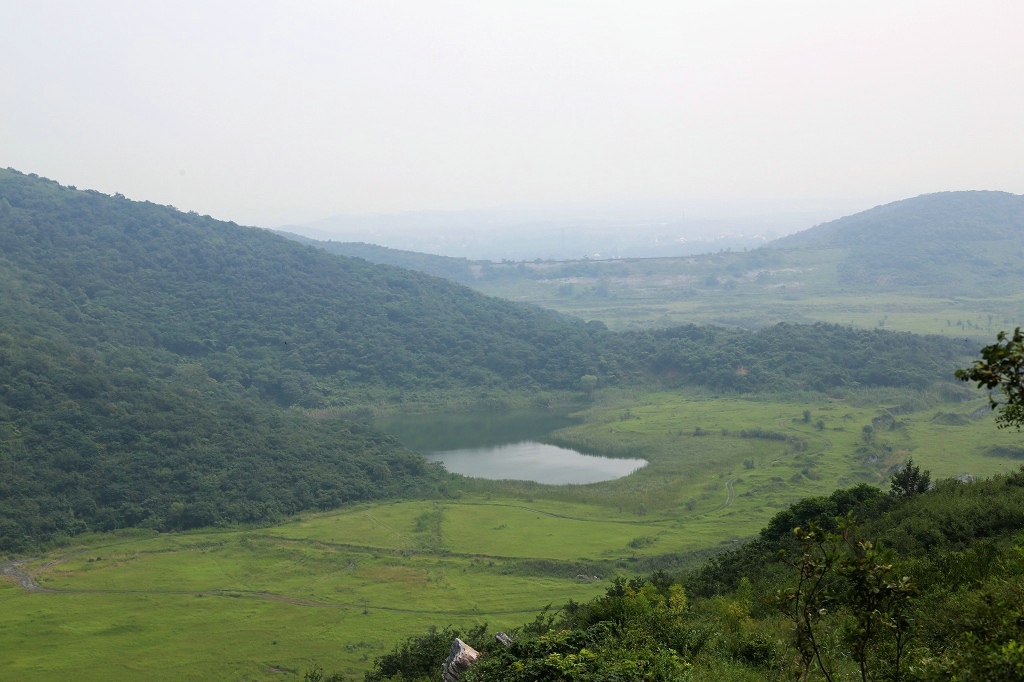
[269, 113]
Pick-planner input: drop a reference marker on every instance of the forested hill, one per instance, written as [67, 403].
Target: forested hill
[298, 326]
[259, 311]
[146, 355]
[147, 358]
[460, 270]
[961, 240]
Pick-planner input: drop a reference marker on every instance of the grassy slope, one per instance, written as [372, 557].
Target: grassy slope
[497, 553]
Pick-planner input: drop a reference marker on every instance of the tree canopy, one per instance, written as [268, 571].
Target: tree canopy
[1001, 371]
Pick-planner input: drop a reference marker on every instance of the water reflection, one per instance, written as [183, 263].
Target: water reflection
[505, 445]
[533, 461]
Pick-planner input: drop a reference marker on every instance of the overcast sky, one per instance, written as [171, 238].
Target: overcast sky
[274, 112]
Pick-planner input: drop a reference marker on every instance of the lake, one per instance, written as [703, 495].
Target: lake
[505, 445]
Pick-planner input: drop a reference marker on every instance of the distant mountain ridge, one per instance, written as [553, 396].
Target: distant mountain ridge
[959, 239]
[461, 270]
[974, 214]
[962, 241]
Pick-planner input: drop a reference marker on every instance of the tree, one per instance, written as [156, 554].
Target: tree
[842, 575]
[1002, 367]
[909, 480]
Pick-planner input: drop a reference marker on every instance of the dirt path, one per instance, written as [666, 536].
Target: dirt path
[23, 580]
[730, 494]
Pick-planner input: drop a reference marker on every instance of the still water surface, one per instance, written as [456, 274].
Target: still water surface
[505, 445]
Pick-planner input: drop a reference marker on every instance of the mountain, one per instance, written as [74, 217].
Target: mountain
[147, 358]
[962, 241]
[159, 368]
[296, 324]
[461, 270]
[945, 263]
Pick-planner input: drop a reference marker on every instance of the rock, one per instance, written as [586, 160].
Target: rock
[459, 661]
[503, 639]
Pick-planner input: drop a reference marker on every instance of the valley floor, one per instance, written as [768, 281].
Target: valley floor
[339, 588]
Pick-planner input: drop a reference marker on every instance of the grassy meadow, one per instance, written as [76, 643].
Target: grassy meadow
[736, 289]
[339, 588]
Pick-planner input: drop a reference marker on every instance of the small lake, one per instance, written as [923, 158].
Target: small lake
[505, 445]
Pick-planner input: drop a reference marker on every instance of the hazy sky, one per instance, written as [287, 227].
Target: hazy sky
[273, 112]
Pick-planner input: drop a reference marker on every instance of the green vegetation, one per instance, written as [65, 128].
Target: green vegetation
[461, 270]
[260, 313]
[1002, 367]
[162, 371]
[333, 588]
[947, 263]
[951, 243]
[935, 594]
[168, 370]
[88, 442]
[338, 589]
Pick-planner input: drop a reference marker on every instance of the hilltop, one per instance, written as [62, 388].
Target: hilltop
[961, 242]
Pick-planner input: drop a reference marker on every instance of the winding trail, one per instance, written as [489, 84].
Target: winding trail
[825, 442]
[730, 494]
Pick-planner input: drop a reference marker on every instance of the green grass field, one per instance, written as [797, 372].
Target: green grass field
[724, 289]
[252, 604]
[339, 588]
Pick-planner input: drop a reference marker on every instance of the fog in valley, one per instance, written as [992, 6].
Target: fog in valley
[629, 230]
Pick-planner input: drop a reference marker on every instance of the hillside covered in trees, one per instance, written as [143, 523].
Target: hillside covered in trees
[154, 364]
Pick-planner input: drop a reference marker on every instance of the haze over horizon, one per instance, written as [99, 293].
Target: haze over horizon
[570, 232]
[274, 114]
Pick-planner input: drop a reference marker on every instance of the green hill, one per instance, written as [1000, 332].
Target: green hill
[961, 242]
[461, 270]
[155, 365]
[945, 263]
[298, 325]
[267, 317]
